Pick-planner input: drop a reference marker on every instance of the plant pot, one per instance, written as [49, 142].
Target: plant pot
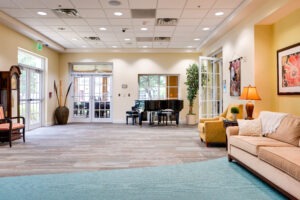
[234, 116]
[62, 114]
[191, 119]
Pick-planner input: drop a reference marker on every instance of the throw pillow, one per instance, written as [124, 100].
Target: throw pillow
[249, 127]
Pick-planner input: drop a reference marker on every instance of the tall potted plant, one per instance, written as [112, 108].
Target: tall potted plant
[192, 82]
[62, 111]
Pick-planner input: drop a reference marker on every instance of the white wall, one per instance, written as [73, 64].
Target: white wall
[126, 68]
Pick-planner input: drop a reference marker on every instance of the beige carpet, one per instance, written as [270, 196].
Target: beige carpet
[89, 147]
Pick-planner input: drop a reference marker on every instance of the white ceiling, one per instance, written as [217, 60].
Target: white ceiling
[193, 16]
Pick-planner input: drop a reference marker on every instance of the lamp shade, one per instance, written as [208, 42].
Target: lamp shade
[250, 93]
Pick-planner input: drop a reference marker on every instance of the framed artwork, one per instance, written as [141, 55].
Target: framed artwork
[235, 77]
[288, 70]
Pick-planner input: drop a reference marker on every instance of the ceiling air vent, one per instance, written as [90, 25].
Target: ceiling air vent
[162, 39]
[143, 13]
[144, 39]
[92, 38]
[66, 13]
[166, 21]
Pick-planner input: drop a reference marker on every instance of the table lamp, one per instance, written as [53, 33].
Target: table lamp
[249, 93]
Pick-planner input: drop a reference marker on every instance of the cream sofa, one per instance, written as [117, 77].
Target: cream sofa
[275, 158]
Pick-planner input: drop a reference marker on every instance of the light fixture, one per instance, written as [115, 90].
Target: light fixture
[197, 39]
[144, 29]
[145, 46]
[127, 39]
[219, 13]
[118, 13]
[205, 28]
[102, 29]
[189, 46]
[249, 93]
[114, 46]
[83, 46]
[42, 13]
[74, 39]
[114, 2]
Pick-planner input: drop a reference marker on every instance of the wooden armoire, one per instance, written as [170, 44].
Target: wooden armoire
[10, 91]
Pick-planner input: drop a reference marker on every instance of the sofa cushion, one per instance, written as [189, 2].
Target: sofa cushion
[249, 127]
[251, 144]
[286, 159]
[288, 130]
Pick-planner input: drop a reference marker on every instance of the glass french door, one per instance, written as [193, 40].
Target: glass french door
[92, 98]
[31, 97]
[210, 87]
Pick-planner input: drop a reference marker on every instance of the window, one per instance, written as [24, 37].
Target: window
[152, 87]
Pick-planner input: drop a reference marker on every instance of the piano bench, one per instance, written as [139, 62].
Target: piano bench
[162, 116]
[133, 115]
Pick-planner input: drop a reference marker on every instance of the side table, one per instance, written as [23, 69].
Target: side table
[227, 123]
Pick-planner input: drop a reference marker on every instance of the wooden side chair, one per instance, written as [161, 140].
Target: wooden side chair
[10, 130]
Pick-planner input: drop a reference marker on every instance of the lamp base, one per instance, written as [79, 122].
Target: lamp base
[249, 109]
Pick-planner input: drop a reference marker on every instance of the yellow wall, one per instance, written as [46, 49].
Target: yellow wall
[127, 66]
[10, 42]
[268, 39]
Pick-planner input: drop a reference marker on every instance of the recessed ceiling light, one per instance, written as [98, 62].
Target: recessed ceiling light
[114, 46]
[42, 13]
[102, 29]
[83, 46]
[144, 29]
[219, 13]
[145, 46]
[127, 39]
[118, 13]
[197, 39]
[189, 46]
[205, 28]
[74, 39]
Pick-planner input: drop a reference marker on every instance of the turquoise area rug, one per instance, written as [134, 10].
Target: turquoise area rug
[208, 180]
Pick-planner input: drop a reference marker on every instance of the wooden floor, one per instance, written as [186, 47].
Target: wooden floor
[87, 147]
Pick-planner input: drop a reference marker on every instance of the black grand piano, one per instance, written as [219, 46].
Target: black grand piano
[142, 106]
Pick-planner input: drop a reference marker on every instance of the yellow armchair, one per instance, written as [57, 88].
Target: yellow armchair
[212, 131]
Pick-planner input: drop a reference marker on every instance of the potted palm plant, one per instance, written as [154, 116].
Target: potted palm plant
[192, 82]
[62, 111]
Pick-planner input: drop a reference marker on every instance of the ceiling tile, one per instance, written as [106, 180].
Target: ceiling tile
[142, 22]
[81, 28]
[97, 22]
[31, 21]
[86, 3]
[60, 28]
[211, 22]
[194, 13]
[75, 22]
[52, 22]
[162, 34]
[54, 4]
[30, 3]
[50, 13]
[43, 29]
[185, 29]
[85, 33]
[108, 37]
[138, 4]
[201, 3]
[182, 38]
[188, 22]
[168, 13]
[226, 11]
[120, 22]
[91, 13]
[18, 13]
[227, 3]
[164, 28]
[171, 4]
[7, 4]
[148, 34]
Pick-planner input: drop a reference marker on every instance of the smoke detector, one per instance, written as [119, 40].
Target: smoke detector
[114, 2]
[66, 13]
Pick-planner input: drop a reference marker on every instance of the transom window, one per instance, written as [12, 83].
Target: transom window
[154, 87]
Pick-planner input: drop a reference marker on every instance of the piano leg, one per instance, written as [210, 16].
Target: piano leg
[177, 118]
[140, 118]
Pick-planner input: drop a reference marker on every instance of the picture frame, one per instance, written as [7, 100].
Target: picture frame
[288, 70]
[235, 77]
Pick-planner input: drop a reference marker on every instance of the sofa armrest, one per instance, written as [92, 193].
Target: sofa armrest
[202, 120]
[232, 130]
